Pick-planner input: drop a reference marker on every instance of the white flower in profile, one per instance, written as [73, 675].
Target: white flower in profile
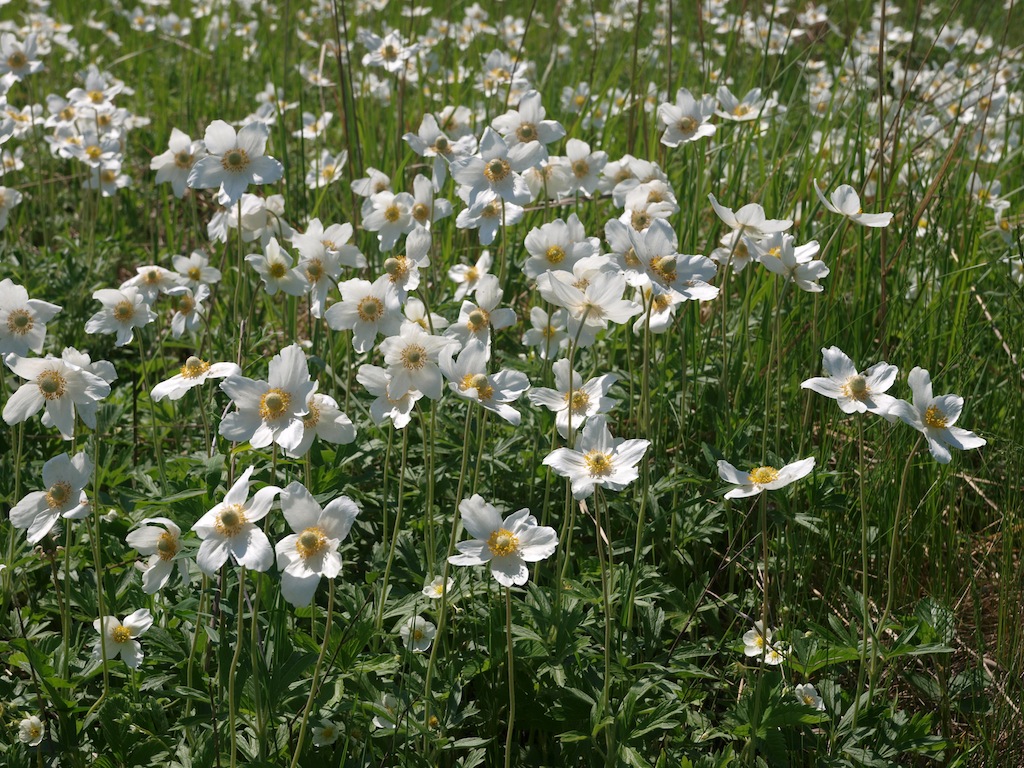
[598, 459]
[855, 392]
[417, 633]
[687, 120]
[9, 199]
[547, 332]
[230, 529]
[123, 311]
[162, 543]
[64, 479]
[120, 636]
[174, 165]
[194, 372]
[506, 545]
[934, 417]
[270, 411]
[846, 202]
[57, 385]
[387, 713]
[22, 320]
[590, 303]
[808, 695]
[235, 161]
[311, 552]
[468, 378]
[795, 263]
[325, 420]
[274, 265]
[763, 478]
[758, 642]
[751, 219]
[30, 731]
[573, 399]
[399, 410]
[437, 587]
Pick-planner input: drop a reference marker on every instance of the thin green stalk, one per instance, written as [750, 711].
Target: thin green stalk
[609, 733]
[316, 674]
[157, 449]
[863, 574]
[233, 669]
[379, 621]
[511, 680]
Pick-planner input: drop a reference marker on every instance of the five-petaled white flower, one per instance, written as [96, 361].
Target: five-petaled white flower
[194, 372]
[162, 542]
[573, 399]
[855, 392]
[508, 545]
[598, 459]
[235, 161]
[123, 310]
[417, 633]
[758, 642]
[808, 696]
[119, 636]
[312, 550]
[22, 320]
[764, 478]
[934, 417]
[230, 529]
[64, 479]
[59, 386]
[30, 731]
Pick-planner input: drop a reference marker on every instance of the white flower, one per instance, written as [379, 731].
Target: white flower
[9, 198]
[270, 411]
[152, 280]
[311, 552]
[367, 309]
[59, 386]
[188, 308]
[764, 478]
[574, 402]
[387, 717]
[326, 169]
[325, 420]
[119, 636]
[586, 166]
[855, 392]
[123, 310]
[486, 213]
[468, 277]
[547, 333]
[235, 161]
[846, 202]
[325, 734]
[417, 633]
[750, 219]
[468, 378]
[195, 269]
[494, 170]
[194, 372]
[390, 216]
[795, 263]
[412, 357]
[436, 588]
[934, 417]
[230, 529]
[399, 410]
[808, 696]
[758, 642]
[507, 545]
[476, 320]
[598, 459]
[162, 542]
[686, 120]
[30, 731]
[176, 163]
[22, 320]
[64, 479]
[274, 265]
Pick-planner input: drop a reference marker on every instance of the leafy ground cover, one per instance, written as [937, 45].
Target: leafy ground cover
[468, 385]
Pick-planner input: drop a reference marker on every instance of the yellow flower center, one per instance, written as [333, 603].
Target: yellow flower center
[472, 274]
[578, 401]
[526, 132]
[392, 213]
[496, 170]
[186, 304]
[503, 543]
[856, 387]
[414, 357]
[93, 151]
[478, 381]
[478, 319]
[935, 418]
[580, 168]
[763, 475]
[194, 367]
[312, 418]
[274, 404]
[489, 211]
[662, 302]
[124, 311]
[17, 60]
[665, 268]
[397, 267]
[328, 172]
[167, 546]
[96, 97]
[776, 251]
[68, 113]
[555, 254]
[51, 384]
[195, 273]
[420, 212]
[19, 322]
[235, 160]
[417, 634]
[231, 520]
[107, 176]
[314, 270]
[183, 159]
[687, 124]
[58, 494]
[277, 269]
[640, 220]
[442, 145]
[370, 309]
[741, 110]
[311, 542]
[598, 463]
[121, 634]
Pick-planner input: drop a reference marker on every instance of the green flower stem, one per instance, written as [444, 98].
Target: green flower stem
[379, 621]
[316, 674]
[511, 679]
[157, 449]
[233, 669]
